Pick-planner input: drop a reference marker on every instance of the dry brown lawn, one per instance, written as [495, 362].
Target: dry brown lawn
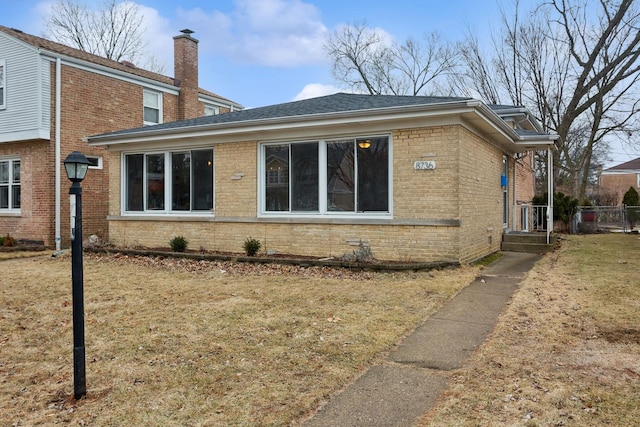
[174, 342]
[193, 343]
[566, 350]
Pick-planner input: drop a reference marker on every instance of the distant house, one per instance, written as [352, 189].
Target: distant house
[617, 179]
[51, 96]
[412, 178]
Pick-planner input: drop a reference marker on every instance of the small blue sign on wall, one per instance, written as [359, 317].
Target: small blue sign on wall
[504, 180]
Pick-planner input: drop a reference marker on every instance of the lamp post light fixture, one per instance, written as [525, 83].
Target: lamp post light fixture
[76, 165]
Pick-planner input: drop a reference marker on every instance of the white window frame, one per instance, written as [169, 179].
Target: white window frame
[95, 162]
[11, 184]
[3, 84]
[167, 183]
[323, 211]
[158, 95]
[214, 110]
[638, 179]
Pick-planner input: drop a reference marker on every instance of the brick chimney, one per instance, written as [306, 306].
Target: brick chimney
[185, 66]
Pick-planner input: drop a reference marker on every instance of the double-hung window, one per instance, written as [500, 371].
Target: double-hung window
[152, 102]
[326, 177]
[168, 182]
[10, 185]
[3, 84]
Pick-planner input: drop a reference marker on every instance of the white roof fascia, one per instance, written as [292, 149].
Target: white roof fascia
[111, 72]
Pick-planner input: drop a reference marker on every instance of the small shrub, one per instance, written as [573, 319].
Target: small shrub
[8, 241]
[251, 246]
[363, 254]
[631, 198]
[178, 244]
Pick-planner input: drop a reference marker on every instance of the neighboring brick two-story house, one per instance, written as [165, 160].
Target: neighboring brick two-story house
[414, 178]
[617, 179]
[51, 96]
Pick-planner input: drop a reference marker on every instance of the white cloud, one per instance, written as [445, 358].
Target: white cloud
[275, 33]
[314, 90]
[279, 33]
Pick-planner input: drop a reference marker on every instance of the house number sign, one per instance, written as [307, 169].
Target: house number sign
[422, 165]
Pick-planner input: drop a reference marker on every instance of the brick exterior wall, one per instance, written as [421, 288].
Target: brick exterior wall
[91, 104]
[464, 189]
[618, 184]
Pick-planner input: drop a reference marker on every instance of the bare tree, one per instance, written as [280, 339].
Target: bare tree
[367, 61]
[576, 64]
[114, 32]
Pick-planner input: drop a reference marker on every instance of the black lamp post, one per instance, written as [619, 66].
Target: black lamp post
[76, 165]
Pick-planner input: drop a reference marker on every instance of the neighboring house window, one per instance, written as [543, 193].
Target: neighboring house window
[638, 179]
[179, 181]
[211, 110]
[327, 177]
[152, 107]
[95, 162]
[9, 185]
[3, 84]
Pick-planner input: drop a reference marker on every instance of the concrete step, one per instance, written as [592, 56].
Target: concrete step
[528, 242]
[527, 247]
[528, 238]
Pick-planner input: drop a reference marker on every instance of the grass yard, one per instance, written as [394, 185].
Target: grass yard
[192, 343]
[567, 349]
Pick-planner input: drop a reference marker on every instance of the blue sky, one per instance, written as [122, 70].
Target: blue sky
[262, 52]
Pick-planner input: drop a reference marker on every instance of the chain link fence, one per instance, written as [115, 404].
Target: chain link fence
[597, 219]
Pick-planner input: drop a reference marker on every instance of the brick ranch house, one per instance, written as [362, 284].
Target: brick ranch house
[51, 96]
[413, 178]
[616, 180]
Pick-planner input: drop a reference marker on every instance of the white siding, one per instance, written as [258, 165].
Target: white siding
[28, 92]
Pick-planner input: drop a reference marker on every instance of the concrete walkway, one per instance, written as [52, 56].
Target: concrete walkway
[408, 383]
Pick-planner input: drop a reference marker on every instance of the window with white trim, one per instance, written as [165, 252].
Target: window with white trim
[9, 185]
[638, 179]
[211, 110]
[168, 182]
[152, 102]
[3, 84]
[326, 177]
[95, 162]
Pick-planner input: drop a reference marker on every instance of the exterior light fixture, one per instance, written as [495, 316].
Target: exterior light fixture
[76, 165]
[364, 143]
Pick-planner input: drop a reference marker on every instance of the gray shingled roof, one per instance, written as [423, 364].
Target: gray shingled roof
[630, 165]
[336, 103]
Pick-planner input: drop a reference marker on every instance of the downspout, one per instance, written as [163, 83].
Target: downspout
[57, 145]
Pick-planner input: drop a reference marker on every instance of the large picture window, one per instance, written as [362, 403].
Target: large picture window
[9, 185]
[179, 181]
[327, 177]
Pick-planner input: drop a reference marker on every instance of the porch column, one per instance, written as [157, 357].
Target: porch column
[515, 194]
[549, 193]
